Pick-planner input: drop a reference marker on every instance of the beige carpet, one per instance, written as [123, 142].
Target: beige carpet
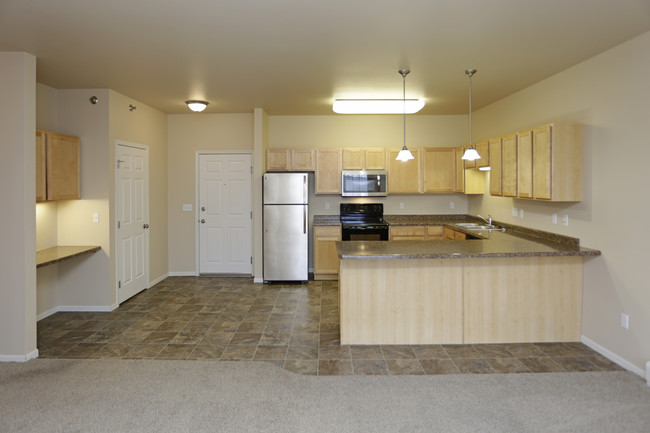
[47, 395]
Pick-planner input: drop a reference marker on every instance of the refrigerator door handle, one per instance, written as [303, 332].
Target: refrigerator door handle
[304, 220]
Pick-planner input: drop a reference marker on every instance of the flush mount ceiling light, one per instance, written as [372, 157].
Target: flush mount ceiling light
[404, 154]
[470, 154]
[377, 106]
[196, 105]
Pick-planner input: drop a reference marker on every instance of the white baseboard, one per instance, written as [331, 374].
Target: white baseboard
[157, 280]
[258, 280]
[182, 274]
[614, 357]
[76, 308]
[19, 358]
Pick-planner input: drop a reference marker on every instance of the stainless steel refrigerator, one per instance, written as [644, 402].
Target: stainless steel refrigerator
[286, 226]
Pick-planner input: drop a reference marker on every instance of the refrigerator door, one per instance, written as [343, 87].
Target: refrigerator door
[285, 243]
[285, 188]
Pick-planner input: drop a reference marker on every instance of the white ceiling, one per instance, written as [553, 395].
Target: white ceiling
[296, 56]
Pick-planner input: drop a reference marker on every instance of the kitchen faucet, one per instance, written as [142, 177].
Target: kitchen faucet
[489, 221]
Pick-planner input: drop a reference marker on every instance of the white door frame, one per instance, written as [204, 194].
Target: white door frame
[197, 217]
[116, 216]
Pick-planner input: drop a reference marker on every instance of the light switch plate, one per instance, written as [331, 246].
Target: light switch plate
[95, 217]
[187, 207]
[514, 212]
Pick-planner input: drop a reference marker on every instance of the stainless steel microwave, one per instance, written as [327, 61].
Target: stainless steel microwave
[364, 183]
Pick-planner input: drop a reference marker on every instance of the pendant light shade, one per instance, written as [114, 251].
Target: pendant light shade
[470, 154]
[404, 154]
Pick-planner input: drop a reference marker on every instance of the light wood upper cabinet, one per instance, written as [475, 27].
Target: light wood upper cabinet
[509, 165]
[483, 149]
[468, 164]
[495, 167]
[439, 170]
[468, 181]
[403, 176]
[290, 160]
[542, 163]
[525, 164]
[364, 159]
[326, 259]
[328, 171]
[58, 166]
[41, 191]
[460, 170]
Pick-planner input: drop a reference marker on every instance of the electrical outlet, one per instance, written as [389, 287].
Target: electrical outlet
[625, 321]
[401, 205]
[514, 212]
[327, 205]
[521, 213]
[452, 205]
[95, 217]
[565, 220]
[554, 218]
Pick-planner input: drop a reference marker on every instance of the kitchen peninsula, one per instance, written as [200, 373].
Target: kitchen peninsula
[521, 285]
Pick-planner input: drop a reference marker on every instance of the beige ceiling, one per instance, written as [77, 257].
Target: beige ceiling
[296, 56]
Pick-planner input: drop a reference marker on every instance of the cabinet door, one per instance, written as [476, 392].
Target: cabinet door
[353, 159]
[408, 233]
[460, 170]
[403, 176]
[63, 167]
[495, 165]
[326, 259]
[525, 164]
[542, 165]
[328, 171]
[449, 234]
[278, 160]
[483, 149]
[303, 160]
[469, 164]
[375, 159]
[41, 192]
[435, 232]
[509, 165]
[439, 169]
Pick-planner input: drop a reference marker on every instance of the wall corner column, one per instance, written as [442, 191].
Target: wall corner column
[260, 144]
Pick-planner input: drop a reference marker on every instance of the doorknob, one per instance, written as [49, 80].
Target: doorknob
[202, 221]
[146, 226]
[203, 208]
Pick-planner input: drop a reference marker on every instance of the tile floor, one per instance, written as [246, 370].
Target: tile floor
[293, 326]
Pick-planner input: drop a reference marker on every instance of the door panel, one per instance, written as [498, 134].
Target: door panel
[132, 215]
[225, 214]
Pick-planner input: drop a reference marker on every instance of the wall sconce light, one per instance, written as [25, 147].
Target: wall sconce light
[196, 106]
[132, 107]
[93, 100]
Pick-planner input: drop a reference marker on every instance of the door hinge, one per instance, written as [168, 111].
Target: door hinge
[251, 260]
[251, 169]
[251, 214]
[118, 224]
[119, 284]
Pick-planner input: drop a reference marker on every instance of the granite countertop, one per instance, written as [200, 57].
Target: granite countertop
[327, 220]
[57, 254]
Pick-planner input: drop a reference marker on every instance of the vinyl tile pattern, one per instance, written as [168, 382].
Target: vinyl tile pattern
[294, 326]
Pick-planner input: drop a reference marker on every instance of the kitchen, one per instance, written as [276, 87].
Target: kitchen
[613, 283]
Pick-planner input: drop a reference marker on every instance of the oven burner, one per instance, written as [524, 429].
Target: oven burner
[363, 222]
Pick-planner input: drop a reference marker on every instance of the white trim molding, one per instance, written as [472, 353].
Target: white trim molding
[76, 308]
[19, 358]
[614, 357]
[183, 274]
[157, 280]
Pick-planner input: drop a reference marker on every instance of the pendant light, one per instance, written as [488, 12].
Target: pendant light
[470, 154]
[404, 154]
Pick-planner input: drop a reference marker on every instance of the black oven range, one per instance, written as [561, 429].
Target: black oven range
[363, 222]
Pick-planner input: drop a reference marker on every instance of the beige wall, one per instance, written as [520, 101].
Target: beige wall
[609, 95]
[188, 134]
[17, 190]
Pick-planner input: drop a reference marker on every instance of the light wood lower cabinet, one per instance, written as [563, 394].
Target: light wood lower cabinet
[461, 301]
[454, 235]
[58, 166]
[416, 233]
[326, 259]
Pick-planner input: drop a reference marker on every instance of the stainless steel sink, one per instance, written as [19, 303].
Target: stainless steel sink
[474, 226]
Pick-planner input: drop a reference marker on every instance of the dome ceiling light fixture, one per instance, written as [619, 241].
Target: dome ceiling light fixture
[470, 154]
[404, 154]
[196, 105]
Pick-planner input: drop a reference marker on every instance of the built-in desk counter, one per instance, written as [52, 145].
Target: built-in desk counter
[58, 254]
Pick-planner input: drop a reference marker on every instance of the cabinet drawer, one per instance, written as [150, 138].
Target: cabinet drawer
[408, 231]
[435, 231]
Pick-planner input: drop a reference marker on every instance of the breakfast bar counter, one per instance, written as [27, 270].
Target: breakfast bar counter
[510, 287]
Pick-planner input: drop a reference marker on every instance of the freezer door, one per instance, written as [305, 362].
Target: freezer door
[285, 243]
[285, 188]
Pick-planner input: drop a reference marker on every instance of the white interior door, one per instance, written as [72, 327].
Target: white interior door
[225, 214]
[132, 202]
